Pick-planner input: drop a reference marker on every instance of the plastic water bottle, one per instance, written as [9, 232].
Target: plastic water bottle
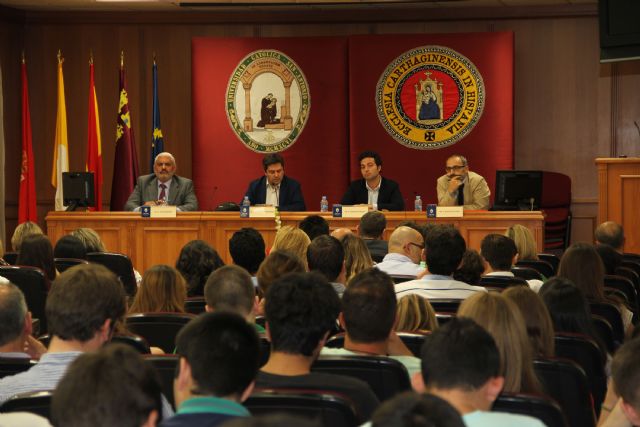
[246, 201]
[324, 204]
[418, 204]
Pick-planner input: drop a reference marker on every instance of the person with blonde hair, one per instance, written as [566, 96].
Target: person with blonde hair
[415, 315]
[536, 317]
[90, 238]
[294, 240]
[356, 256]
[502, 319]
[163, 289]
[524, 240]
[22, 231]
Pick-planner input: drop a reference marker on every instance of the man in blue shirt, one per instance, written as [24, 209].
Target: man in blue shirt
[219, 357]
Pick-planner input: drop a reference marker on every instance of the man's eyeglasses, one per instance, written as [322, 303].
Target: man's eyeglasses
[419, 245]
[454, 168]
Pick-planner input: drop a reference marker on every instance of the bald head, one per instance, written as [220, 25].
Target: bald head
[610, 233]
[407, 241]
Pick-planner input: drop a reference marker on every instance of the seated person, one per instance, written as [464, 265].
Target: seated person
[368, 315]
[70, 247]
[405, 253]
[219, 356]
[301, 309]
[197, 260]
[461, 187]
[410, 409]
[371, 227]
[275, 188]
[325, 255]
[15, 325]
[501, 254]
[314, 226]
[247, 250]
[163, 187]
[373, 189]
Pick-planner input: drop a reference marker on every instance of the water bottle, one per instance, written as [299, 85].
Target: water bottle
[418, 204]
[324, 204]
[246, 201]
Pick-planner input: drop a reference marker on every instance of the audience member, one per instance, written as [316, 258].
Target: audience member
[314, 226]
[461, 364]
[501, 254]
[536, 319]
[406, 249]
[276, 265]
[415, 315]
[444, 249]
[301, 309]
[70, 247]
[197, 260]
[502, 319]
[82, 307]
[162, 290]
[411, 409]
[294, 240]
[340, 233]
[326, 255]
[582, 265]
[90, 238]
[471, 268]
[22, 231]
[111, 387]
[36, 251]
[524, 240]
[2, 261]
[219, 357]
[20, 419]
[230, 289]
[356, 256]
[371, 229]
[611, 259]
[16, 325]
[368, 316]
[247, 250]
[612, 234]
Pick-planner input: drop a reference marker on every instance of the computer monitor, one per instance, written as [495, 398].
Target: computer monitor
[518, 190]
[77, 189]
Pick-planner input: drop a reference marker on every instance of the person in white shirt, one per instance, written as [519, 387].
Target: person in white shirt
[406, 247]
[501, 253]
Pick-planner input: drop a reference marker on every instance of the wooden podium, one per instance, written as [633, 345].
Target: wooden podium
[619, 196]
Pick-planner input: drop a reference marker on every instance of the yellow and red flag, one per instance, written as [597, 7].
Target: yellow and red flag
[94, 147]
[27, 197]
[61, 143]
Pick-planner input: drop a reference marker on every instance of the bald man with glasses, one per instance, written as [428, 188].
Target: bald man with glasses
[461, 187]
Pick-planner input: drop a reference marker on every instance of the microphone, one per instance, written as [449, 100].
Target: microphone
[531, 200]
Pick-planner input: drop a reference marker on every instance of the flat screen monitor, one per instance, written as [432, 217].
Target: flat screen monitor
[77, 189]
[518, 190]
[619, 30]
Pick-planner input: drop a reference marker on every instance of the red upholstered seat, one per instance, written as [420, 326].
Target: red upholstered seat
[556, 204]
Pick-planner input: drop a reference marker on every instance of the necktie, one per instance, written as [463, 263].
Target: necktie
[163, 193]
[461, 195]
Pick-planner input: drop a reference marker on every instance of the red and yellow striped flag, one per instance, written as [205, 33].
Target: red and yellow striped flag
[94, 146]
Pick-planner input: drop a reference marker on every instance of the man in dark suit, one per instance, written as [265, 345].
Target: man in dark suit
[163, 187]
[274, 188]
[374, 190]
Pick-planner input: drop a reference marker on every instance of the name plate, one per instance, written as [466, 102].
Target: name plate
[354, 211]
[449, 212]
[163, 211]
[262, 212]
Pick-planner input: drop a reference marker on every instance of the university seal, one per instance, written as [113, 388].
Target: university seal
[267, 101]
[430, 97]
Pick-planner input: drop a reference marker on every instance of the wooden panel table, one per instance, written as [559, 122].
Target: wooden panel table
[159, 240]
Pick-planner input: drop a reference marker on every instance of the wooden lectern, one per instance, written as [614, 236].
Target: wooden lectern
[619, 196]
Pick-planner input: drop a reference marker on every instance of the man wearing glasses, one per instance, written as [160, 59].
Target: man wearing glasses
[461, 187]
[406, 250]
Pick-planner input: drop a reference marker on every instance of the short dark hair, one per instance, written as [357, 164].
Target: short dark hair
[112, 386]
[411, 409]
[272, 159]
[626, 372]
[196, 261]
[277, 264]
[247, 249]
[222, 350]
[471, 268]
[460, 354]
[36, 251]
[376, 157]
[300, 309]
[372, 224]
[369, 306]
[230, 288]
[70, 247]
[498, 251]
[13, 309]
[277, 419]
[444, 248]
[610, 233]
[611, 259]
[326, 255]
[81, 299]
[314, 226]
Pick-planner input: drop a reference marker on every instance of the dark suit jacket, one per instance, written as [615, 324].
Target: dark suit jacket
[377, 248]
[389, 196]
[181, 193]
[290, 198]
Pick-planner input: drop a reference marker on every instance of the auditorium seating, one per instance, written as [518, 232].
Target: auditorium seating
[159, 329]
[445, 305]
[166, 366]
[501, 282]
[612, 314]
[556, 204]
[625, 286]
[542, 267]
[120, 265]
[10, 257]
[14, 365]
[36, 402]
[526, 273]
[34, 285]
[631, 275]
[137, 343]
[552, 259]
[413, 341]
[543, 408]
[327, 407]
[62, 264]
[605, 332]
[195, 305]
